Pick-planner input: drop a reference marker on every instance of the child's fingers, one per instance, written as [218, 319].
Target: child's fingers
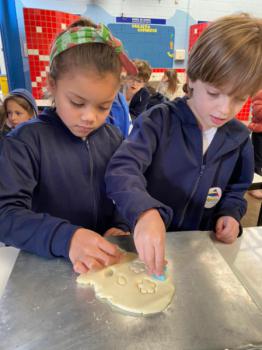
[116, 232]
[140, 253]
[106, 258]
[79, 267]
[120, 233]
[159, 259]
[228, 234]
[219, 226]
[149, 259]
[109, 248]
[91, 263]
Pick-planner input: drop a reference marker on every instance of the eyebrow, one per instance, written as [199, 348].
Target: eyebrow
[84, 99]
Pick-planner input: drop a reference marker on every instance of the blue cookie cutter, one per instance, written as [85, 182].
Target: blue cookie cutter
[160, 277]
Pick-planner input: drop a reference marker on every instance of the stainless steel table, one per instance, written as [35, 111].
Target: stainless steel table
[43, 308]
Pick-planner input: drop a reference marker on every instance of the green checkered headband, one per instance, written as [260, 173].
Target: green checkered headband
[82, 35]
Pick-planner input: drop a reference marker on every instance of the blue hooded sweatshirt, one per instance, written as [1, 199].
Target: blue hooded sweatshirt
[119, 114]
[52, 183]
[161, 165]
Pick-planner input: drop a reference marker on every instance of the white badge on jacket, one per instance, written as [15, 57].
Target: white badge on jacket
[213, 197]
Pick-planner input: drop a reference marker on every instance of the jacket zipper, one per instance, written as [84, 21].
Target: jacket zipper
[91, 181]
[192, 195]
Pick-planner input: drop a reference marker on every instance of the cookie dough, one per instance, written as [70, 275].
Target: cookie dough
[128, 287]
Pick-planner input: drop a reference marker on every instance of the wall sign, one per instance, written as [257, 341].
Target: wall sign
[140, 20]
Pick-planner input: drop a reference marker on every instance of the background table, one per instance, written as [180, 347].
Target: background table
[257, 184]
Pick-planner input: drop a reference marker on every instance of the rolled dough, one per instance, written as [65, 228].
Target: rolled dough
[128, 287]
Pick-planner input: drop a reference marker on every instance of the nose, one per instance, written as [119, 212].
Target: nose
[12, 116]
[89, 115]
[225, 106]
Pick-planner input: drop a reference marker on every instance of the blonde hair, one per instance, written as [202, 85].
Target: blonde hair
[99, 56]
[172, 81]
[229, 51]
[144, 69]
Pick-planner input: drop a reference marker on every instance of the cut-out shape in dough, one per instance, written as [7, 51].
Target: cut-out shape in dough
[122, 280]
[137, 266]
[147, 287]
[129, 289]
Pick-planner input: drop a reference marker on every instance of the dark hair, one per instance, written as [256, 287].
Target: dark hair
[99, 56]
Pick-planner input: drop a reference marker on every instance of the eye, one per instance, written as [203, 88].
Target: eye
[104, 108]
[213, 93]
[75, 104]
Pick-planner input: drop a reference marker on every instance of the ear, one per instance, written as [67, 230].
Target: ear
[190, 88]
[189, 83]
[51, 85]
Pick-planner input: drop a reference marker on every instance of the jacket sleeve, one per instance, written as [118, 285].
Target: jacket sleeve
[38, 233]
[119, 222]
[233, 202]
[125, 180]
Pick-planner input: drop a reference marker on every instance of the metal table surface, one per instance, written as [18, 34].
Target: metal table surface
[43, 308]
[245, 259]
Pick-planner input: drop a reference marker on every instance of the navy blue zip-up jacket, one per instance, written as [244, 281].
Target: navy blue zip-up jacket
[161, 165]
[52, 182]
[138, 103]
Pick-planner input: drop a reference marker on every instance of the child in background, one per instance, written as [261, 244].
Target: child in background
[2, 117]
[169, 84]
[52, 200]
[18, 107]
[187, 164]
[136, 92]
[256, 127]
[155, 97]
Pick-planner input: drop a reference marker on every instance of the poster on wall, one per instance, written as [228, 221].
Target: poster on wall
[153, 43]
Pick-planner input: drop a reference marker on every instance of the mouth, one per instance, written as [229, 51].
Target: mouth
[217, 121]
[84, 129]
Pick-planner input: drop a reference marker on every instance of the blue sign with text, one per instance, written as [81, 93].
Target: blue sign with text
[152, 43]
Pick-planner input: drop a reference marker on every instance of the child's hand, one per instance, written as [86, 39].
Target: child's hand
[89, 251]
[149, 237]
[114, 231]
[227, 229]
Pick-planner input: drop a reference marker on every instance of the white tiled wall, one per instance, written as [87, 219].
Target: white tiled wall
[195, 10]
[198, 9]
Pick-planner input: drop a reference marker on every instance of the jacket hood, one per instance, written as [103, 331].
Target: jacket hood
[27, 96]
